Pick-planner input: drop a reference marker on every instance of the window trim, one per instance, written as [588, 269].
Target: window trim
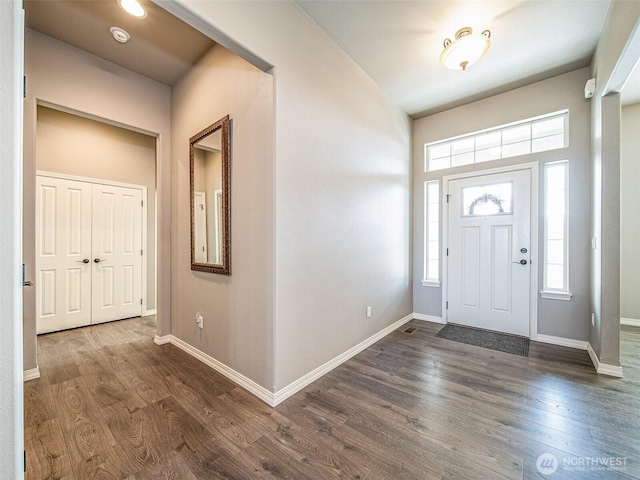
[547, 292]
[431, 281]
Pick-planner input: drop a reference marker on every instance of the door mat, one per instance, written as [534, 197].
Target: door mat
[486, 339]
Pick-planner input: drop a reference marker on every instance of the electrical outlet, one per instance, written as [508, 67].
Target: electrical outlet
[593, 319]
[199, 320]
[368, 312]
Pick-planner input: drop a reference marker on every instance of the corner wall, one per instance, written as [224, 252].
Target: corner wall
[237, 309]
[342, 182]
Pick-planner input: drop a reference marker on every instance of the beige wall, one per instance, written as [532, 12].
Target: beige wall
[629, 216]
[71, 79]
[78, 146]
[237, 309]
[555, 317]
[340, 224]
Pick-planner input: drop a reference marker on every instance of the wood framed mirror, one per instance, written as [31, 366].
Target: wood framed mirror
[210, 159]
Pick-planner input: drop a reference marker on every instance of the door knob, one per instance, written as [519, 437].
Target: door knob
[85, 260]
[97, 260]
[521, 262]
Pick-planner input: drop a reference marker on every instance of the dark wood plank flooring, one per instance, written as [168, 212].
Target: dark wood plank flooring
[110, 404]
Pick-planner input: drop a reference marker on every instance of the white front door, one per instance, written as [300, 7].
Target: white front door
[489, 251]
[117, 253]
[88, 253]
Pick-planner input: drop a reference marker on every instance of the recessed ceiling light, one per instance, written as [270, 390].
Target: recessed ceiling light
[119, 34]
[133, 7]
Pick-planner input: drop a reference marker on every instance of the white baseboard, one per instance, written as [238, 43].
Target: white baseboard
[153, 311]
[31, 374]
[603, 368]
[236, 377]
[273, 399]
[428, 318]
[564, 342]
[312, 376]
[162, 340]
[634, 322]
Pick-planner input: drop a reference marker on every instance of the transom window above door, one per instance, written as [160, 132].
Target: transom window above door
[537, 134]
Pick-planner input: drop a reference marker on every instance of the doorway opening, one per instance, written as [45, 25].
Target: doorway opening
[95, 221]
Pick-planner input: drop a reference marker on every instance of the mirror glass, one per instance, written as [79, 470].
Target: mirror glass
[210, 208]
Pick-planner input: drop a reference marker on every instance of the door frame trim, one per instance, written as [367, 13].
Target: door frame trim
[143, 189]
[533, 167]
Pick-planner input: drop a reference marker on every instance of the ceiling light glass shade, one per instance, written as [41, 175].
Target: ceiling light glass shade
[132, 7]
[465, 50]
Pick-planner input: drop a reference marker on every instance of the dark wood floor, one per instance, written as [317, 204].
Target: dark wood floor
[112, 404]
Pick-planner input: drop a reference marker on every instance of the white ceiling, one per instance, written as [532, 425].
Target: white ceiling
[398, 44]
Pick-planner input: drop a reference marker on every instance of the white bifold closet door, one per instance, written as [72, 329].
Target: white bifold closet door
[88, 253]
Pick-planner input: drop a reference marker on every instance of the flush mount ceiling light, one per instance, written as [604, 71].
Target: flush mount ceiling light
[119, 35]
[133, 7]
[465, 50]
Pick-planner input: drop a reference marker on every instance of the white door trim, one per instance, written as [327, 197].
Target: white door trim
[143, 190]
[533, 292]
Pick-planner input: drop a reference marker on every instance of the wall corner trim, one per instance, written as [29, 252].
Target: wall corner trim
[428, 318]
[31, 374]
[312, 376]
[162, 340]
[603, 368]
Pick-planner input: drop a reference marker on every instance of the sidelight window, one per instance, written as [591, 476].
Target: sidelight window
[556, 231]
[431, 234]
